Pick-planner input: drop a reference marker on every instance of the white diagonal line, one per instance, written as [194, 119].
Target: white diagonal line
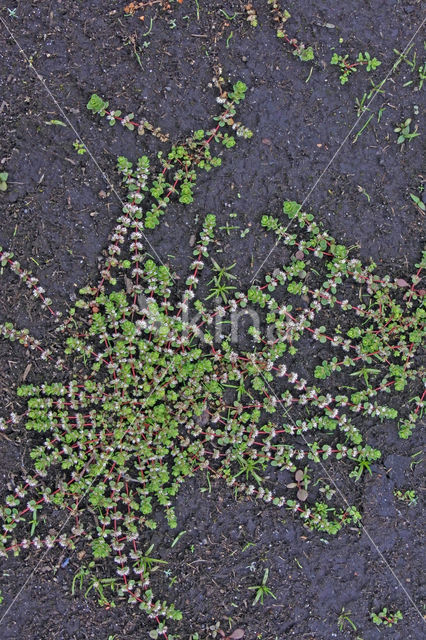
[346, 502]
[72, 127]
[342, 144]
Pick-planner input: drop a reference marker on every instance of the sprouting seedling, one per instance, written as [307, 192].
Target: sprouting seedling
[220, 288]
[418, 202]
[360, 104]
[365, 372]
[262, 590]
[327, 491]
[280, 17]
[364, 192]
[147, 562]
[409, 496]
[249, 467]
[344, 617]
[347, 68]
[385, 617]
[422, 75]
[302, 481]
[79, 147]
[371, 63]
[403, 129]
[223, 272]
[3, 180]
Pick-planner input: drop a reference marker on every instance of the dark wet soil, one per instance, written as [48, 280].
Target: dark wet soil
[59, 209]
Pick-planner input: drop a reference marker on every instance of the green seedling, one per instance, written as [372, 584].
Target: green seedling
[302, 481]
[409, 496]
[361, 105]
[280, 17]
[405, 58]
[79, 147]
[228, 16]
[347, 68]
[327, 491]
[178, 537]
[250, 468]
[404, 132]
[3, 180]
[418, 202]
[262, 590]
[416, 459]
[228, 228]
[220, 288]
[386, 618]
[147, 563]
[344, 619]
[364, 192]
[365, 372]
[57, 123]
[364, 126]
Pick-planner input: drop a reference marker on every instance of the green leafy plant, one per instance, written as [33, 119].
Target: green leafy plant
[370, 63]
[348, 68]
[409, 496]
[412, 64]
[386, 618]
[302, 481]
[96, 105]
[280, 17]
[262, 590]
[418, 202]
[3, 180]
[150, 387]
[86, 581]
[403, 129]
[79, 147]
[422, 75]
[220, 287]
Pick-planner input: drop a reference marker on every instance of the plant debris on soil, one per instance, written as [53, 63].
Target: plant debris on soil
[315, 141]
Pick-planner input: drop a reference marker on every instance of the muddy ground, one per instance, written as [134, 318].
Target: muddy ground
[59, 209]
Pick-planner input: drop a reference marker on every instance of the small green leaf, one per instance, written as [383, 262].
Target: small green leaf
[57, 122]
